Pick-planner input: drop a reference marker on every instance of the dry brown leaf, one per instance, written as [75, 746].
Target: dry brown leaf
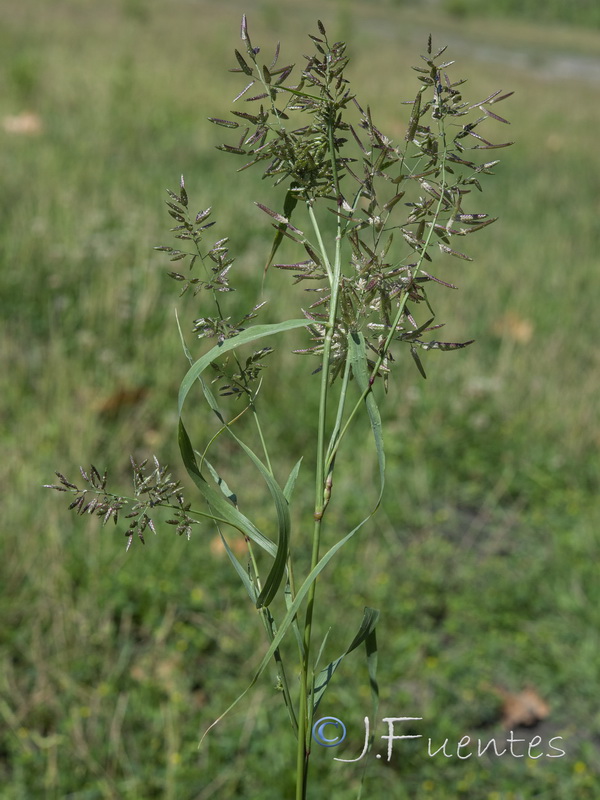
[524, 708]
[28, 123]
[512, 326]
[122, 398]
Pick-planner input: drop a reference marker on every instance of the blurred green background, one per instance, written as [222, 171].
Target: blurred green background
[484, 557]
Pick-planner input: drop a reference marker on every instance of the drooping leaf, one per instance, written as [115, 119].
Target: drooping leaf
[277, 571]
[221, 508]
[245, 337]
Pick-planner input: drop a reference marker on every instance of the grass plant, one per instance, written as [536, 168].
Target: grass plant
[490, 517]
[367, 290]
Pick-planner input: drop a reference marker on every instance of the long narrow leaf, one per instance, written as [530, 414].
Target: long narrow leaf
[289, 618]
[280, 553]
[288, 489]
[227, 513]
[275, 576]
[245, 337]
[367, 628]
[243, 574]
[371, 647]
[288, 602]
[225, 490]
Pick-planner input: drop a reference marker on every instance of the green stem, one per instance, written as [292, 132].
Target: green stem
[304, 712]
[269, 624]
[261, 435]
[325, 461]
[329, 458]
[335, 445]
[317, 231]
[305, 715]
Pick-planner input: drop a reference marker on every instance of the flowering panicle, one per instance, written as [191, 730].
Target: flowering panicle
[152, 489]
[397, 204]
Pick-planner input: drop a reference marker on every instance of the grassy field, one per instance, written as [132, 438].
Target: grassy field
[484, 557]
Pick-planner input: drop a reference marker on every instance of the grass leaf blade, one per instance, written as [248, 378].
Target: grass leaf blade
[224, 511]
[245, 337]
[366, 630]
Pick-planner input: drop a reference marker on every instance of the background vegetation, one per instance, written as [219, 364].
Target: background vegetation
[484, 557]
[575, 12]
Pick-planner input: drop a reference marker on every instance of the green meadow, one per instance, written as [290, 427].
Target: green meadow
[484, 558]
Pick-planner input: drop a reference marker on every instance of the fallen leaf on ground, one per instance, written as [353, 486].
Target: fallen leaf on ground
[512, 326]
[27, 123]
[524, 708]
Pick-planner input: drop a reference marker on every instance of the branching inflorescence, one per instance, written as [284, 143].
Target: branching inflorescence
[362, 176]
[151, 489]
